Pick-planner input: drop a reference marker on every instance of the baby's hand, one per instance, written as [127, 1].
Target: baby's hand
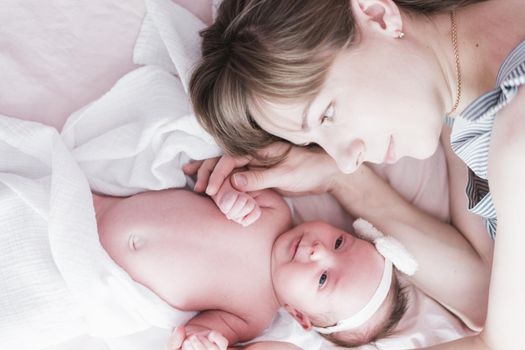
[204, 339]
[237, 206]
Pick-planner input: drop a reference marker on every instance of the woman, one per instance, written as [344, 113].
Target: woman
[370, 81]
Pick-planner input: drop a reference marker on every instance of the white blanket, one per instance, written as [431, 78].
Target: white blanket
[57, 281]
[137, 136]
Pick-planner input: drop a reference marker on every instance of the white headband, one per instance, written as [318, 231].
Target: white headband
[369, 310]
[395, 254]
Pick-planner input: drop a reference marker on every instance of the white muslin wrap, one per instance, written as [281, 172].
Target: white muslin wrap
[56, 280]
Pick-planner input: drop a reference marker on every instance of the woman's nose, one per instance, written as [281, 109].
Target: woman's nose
[349, 156]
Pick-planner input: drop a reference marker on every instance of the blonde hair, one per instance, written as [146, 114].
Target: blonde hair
[277, 50]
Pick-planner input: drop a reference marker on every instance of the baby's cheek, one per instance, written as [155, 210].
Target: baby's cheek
[290, 287]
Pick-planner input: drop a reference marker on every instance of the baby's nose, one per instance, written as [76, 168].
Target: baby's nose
[318, 251]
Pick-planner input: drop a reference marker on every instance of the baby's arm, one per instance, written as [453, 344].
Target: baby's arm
[213, 329]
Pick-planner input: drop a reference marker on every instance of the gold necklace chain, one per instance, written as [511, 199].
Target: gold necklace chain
[456, 55]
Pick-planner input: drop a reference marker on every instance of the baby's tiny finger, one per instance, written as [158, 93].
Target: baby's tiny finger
[208, 345]
[201, 343]
[235, 210]
[227, 202]
[218, 339]
[187, 345]
[251, 217]
[247, 209]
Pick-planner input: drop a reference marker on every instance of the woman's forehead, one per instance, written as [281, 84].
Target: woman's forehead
[285, 116]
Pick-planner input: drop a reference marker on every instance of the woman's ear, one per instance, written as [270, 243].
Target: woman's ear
[382, 16]
[303, 320]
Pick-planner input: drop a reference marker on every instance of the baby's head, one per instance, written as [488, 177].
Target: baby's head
[323, 275]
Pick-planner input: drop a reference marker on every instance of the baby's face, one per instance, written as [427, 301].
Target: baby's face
[321, 270]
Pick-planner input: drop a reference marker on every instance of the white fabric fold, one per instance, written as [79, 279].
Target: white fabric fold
[169, 38]
[138, 135]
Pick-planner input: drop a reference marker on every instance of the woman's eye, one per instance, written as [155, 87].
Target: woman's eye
[322, 279]
[338, 242]
[328, 115]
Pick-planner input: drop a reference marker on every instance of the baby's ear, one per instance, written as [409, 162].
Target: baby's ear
[303, 319]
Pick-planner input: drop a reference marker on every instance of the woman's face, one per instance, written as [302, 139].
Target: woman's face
[378, 104]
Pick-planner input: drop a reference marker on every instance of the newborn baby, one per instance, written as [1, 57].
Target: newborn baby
[182, 247]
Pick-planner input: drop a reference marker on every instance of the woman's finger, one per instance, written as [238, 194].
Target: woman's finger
[255, 180]
[203, 174]
[192, 167]
[222, 170]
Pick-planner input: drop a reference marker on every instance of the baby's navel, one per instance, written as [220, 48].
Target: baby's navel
[135, 242]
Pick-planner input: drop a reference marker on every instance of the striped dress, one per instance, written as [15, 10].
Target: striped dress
[471, 132]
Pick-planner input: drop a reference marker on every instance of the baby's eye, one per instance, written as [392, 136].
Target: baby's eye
[322, 279]
[338, 242]
[328, 115]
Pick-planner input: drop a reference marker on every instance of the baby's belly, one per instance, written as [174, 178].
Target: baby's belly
[144, 248]
[188, 257]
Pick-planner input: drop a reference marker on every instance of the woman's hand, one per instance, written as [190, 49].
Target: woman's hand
[304, 170]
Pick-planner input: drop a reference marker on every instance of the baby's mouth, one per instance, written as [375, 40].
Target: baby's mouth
[295, 246]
